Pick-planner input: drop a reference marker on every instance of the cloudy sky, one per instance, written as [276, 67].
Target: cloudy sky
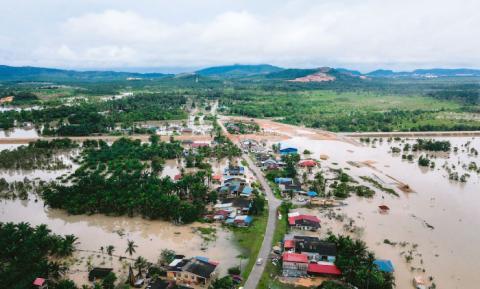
[360, 34]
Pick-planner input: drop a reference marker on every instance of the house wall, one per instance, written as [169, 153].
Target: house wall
[293, 269]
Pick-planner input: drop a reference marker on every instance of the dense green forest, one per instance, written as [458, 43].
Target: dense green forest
[123, 178]
[30, 252]
[349, 103]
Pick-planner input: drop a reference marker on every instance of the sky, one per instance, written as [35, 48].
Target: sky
[187, 34]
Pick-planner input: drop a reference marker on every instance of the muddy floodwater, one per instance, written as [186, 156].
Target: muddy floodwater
[436, 224]
[96, 231]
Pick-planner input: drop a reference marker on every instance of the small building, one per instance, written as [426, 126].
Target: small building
[384, 265]
[307, 163]
[234, 171]
[304, 222]
[294, 265]
[316, 249]
[312, 194]
[283, 181]
[286, 149]
[243, 221]
[98, 273]
[40, 283]
[194, 271]
[239, 205]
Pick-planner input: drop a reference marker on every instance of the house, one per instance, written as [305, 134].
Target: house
[283, 181]
[286, 149]
[98, 273]
[293, 187]
[199, 145]
[384, 265]
[294, 265]
[234, 171]
[307, 163]
[40, 283]
[194, 271]
[242, 221]
[187, 130]
[316, 249]
[239, 205]
[323, 269]
[304, 222]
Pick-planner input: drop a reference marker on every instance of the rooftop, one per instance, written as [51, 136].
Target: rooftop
[294, 257]
[200, 268]
[323, 268]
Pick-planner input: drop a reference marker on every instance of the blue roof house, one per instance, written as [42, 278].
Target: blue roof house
[286, 149]
[384, 265]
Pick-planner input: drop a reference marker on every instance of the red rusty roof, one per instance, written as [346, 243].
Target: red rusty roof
[292, 220]
[307, 163]
[294, 257]
[328, 269]
[289, 244]
[39, 282]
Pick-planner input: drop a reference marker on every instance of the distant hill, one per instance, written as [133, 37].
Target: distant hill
[27, 73]
[425, 73]
[238, 70]
[322, 74]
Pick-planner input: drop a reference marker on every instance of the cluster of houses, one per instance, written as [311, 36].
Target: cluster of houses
[234, 198]
[309, 256]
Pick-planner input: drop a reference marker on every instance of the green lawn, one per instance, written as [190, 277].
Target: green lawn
[250, 240]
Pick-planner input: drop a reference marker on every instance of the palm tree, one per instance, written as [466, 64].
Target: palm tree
[131, 247]
[56, 270]
[110, 249]
[140, 264]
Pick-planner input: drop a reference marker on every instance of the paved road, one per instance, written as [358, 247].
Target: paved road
[273, 204]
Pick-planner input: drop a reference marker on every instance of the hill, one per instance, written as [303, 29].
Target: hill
[27, 73]
[238, 70]
[425, 73]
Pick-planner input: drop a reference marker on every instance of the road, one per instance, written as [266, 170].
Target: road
[273, 204]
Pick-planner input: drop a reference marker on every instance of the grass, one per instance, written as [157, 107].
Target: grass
[379, 186]
[250, 241]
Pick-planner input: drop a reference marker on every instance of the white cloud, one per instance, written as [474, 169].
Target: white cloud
[360, 34]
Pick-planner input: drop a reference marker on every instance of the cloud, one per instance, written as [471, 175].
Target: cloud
[361, 34]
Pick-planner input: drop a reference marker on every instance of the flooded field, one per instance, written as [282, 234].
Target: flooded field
[19, 133]
[433, 227]
[97, 231]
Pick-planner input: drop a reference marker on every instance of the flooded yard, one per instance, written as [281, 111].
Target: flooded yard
[433, 228]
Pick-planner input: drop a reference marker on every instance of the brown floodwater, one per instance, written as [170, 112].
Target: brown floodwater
[448, 250]
[95, 231]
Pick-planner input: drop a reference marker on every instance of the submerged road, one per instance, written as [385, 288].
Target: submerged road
[273, 204]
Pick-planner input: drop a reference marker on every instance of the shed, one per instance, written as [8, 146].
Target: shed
[384, 265]
[312, 194]
[98, 273]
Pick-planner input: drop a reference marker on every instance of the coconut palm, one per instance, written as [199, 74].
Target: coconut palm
[110, 249]
[140, 264]
[131, 247]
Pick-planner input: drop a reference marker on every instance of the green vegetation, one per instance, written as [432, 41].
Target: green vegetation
[37, 155]
[31, 252]
[432, 145]
[356, 264]
[250, 240]
[379, 186]
[119, 179]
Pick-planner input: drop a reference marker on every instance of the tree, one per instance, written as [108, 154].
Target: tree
[66, 284]
[130, 247]
[167, 256]
[258, 205]
[140, 264]
[109, 281]
[110, 249]
[222, 283]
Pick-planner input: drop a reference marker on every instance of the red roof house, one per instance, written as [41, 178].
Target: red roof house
[323, 269]
[306, 222]
[177, 177]
[289, 244]
[307, 163]
[295, 258]
[39, 282]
